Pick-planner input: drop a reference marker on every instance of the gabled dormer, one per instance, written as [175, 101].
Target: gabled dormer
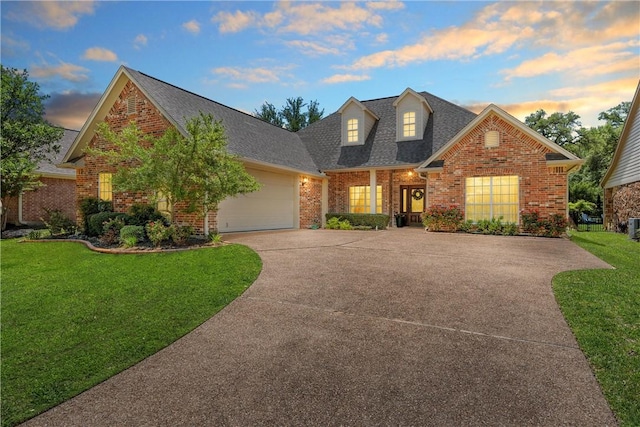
[412, 114]
[357, 121]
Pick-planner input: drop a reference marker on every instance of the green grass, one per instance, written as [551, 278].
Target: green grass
[602, 308]
[72, 318]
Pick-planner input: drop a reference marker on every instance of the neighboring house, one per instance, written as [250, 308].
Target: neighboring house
[621, 182]
[391, 155]
[57, 192]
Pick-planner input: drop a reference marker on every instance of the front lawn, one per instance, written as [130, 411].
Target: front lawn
[602, 308]
[72, 318]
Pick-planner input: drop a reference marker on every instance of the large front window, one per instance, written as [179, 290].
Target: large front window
[105, 189]
[492, 197]
[360, 199]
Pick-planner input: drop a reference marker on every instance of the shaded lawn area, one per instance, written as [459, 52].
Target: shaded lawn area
[71, 318]
[602, 307]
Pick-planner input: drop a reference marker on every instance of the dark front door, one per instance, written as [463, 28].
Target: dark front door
[412, 203]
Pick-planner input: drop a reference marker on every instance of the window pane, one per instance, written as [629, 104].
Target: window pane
[352, 130]
[409, 124]
[378, 198]
[105, 189]
[359, 199]
[492, 197]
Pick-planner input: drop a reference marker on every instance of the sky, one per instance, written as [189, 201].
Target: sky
[521, 56]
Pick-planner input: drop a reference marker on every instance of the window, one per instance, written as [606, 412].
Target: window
[163, 204]
[105, 190]
[492, 197]
[491, 138]
[352, 130]
[359, 199]
[409, 124]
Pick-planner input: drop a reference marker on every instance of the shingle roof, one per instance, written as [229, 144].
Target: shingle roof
[48, 166]
[323, 138]
[248, 136]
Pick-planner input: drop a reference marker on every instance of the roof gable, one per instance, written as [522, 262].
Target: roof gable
[627, 154]
[358, 104]
[410, 92]
[250, 138]
[567, 157]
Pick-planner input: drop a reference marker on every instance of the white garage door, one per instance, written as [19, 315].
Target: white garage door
[270, 208]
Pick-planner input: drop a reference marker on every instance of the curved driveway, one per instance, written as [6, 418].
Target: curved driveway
[394, 327]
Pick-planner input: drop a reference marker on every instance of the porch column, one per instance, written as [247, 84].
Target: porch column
[372, 191]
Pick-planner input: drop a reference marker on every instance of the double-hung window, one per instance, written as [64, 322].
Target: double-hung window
[105, 189]
[360, 199]
[409, 124]
[489, 197]
[352, 131]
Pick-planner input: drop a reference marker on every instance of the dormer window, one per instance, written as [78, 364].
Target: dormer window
[352, 131]
[357, 121]
[409, 124]
[412, 115]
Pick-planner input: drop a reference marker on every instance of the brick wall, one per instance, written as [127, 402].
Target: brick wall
[541, 188]
[310, 202]
[56, 193]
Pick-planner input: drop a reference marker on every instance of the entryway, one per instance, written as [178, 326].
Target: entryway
[412, 203]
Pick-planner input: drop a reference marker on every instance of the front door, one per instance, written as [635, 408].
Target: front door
[412, 203]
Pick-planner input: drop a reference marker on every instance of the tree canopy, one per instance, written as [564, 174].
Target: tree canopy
[595, 145]
[292, 115]
[25, 136]
[193, 172]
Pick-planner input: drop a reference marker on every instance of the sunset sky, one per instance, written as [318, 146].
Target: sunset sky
[522, 56]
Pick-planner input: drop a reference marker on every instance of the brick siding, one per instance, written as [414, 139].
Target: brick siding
[310, 202]
[56, 193]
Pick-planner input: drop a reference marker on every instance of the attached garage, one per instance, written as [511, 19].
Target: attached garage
[274, 206]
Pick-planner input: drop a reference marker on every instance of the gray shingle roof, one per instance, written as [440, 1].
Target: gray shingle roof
[323, 138]
[248, 137]
[48, 166]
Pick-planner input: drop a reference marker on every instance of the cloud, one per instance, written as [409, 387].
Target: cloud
[140, 41]
[305, 18]
[100, 54]
[312, 48]
[66, 71]
[244, 75]
[13, 46]
[70, 109]
[58, 15]
[588, 61]
[345, 78]
[192, 26]
[499, 27]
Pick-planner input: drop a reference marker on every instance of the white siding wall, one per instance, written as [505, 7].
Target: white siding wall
[627, 168]
[353, 111]
[406, 104]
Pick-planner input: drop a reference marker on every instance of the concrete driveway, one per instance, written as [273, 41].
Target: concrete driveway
[394, 327]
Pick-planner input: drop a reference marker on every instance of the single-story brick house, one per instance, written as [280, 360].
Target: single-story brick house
[58, 190]
[621, 182]
[392, 155]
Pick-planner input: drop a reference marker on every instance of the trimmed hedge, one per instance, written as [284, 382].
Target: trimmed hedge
[381, 221]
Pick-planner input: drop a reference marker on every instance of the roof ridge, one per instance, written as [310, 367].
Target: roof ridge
[207, 99]
[448, 102]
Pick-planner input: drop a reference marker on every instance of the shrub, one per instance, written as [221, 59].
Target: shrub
[335, 223]
[379, 221]
[90, 206]
[468, 226]
[35, 235]
[180, 234]
[58, 223]
[96, 222]
[553, 226]
[130, 235]
[141, 214]
[111, 230]
[440, 218]
[215, 238]
[158, 232]
[510, 229]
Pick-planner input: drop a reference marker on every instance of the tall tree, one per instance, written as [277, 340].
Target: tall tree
[292, 115]
[269, 113]
[25, 136]
[560, 128]
[195, 172]
[617, 115]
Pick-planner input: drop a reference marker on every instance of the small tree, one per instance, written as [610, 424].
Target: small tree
[25, 137]
[194, 171]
